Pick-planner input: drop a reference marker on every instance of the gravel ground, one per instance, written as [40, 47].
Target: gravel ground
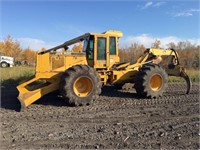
[117, 120]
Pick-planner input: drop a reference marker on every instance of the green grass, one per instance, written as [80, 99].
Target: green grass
[15, 74]
[193, 74]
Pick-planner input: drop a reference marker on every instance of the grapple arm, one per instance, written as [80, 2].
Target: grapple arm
[173, 68]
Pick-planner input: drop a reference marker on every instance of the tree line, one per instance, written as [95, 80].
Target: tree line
[189, 54]
[12, 48]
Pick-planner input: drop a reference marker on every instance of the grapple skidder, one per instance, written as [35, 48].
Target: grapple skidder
[79, 76]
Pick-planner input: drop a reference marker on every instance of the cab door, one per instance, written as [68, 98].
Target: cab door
[102, 52]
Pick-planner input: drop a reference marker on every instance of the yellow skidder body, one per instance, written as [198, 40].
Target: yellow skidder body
[79, 76]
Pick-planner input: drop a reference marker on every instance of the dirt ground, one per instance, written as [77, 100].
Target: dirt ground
[117, 120]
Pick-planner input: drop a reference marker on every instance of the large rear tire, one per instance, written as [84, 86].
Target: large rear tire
[152, 81]
[80, 85]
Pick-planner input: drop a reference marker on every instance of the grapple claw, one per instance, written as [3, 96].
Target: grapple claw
[188, 81]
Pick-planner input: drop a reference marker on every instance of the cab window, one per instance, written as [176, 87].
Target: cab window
[112, 46]
[89, 47]
[101, 48]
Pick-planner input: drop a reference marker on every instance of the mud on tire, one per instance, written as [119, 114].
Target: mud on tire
[80, 85]
[152, 81]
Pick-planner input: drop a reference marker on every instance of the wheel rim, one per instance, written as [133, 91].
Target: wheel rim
[83, 86]
[4, 65]
[156, 82]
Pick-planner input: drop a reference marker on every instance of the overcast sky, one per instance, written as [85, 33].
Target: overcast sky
[47, 23]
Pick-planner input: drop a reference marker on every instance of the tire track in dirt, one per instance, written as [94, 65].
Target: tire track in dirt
[118, 119]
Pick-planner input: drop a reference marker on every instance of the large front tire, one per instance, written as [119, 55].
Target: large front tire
[152, 81]
[80, 85]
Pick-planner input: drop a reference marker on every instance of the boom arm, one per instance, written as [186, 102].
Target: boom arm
[168, 52]
[150, 56]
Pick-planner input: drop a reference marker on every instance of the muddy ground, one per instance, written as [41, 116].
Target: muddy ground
[118, 119]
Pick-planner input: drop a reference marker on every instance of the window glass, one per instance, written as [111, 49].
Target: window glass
[112, 45]
[101, 48]
[85, 44]
[89, 47]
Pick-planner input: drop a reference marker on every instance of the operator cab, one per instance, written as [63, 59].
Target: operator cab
[102, 49]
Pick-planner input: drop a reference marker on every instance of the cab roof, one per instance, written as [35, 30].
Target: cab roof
[110, 33]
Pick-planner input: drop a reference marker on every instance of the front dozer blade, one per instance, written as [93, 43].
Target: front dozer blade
[33, 89]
